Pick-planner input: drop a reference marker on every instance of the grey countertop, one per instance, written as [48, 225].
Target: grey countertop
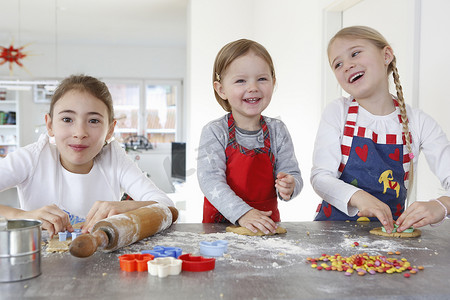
[273, 267]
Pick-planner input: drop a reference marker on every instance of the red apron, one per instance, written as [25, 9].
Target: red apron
[250, 174]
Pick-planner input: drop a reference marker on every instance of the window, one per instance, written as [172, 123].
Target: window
[147, 111]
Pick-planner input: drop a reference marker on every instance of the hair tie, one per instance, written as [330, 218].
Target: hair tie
[218, 77]
[411, 155]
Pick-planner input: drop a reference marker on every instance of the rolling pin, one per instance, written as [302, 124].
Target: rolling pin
[124, 229]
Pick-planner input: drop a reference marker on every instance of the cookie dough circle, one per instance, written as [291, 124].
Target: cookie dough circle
[245, 231]
[378, 231]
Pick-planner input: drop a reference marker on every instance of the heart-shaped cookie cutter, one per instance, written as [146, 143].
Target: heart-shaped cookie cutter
[164, 266]
[134, 262]
[161, 251]
[216, 248]
[197, 263]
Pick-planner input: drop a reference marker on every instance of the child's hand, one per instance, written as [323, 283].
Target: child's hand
[104, 209]
[256, 219]
[285, 185]
[420, 214]
[370, 206]
[53, 219]
[101, 210]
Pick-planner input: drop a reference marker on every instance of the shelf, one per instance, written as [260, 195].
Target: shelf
[8, 102]
[9, 131]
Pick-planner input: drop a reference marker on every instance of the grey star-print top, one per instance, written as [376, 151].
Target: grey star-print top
[211, 163]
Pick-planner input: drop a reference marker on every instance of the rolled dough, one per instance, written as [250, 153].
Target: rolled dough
[378, 231]
[54, 245]
[245, 231]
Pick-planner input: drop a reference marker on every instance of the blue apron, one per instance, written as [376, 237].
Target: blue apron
[377, 164]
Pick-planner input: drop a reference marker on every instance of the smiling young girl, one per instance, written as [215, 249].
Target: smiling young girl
[246, 158]
[368, 144]
[82, 173]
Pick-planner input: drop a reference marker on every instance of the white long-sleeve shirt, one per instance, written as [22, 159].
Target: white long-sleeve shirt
[427, 137]
[42, 180]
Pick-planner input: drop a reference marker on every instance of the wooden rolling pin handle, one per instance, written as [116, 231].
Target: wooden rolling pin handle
[174, 212]
[86, 244]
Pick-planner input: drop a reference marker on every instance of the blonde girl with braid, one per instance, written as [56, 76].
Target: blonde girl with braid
[367, 144]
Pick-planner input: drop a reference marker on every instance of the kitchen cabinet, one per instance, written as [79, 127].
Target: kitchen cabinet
[9, 119]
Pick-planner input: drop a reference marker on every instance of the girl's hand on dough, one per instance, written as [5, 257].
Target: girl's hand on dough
[285, 185]
[53, 219]
[420, 214]
[370, 206]
[256, 219]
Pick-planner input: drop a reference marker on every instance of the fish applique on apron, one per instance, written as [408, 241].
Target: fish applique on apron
[375, 163]
[250, 174]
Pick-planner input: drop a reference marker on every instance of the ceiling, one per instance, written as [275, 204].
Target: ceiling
[152, 23]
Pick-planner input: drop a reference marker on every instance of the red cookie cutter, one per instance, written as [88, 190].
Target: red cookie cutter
[197, 263]
[134, 262]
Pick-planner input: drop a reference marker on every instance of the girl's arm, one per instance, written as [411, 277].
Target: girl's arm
[327, 159]
[433, 142]
[52, 217]
[370, 206]
[15, 169]
[422, 213]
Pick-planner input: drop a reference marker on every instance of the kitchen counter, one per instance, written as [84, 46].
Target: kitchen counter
[273, 267]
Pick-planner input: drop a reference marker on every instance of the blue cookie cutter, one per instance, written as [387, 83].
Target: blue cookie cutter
[64, 234]
[216, 248]
[161, 251]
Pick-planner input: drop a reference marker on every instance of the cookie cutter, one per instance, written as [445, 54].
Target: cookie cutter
[134, 262]
[216, 248]
[161, 251]
[164, 266]
[75, 235]
[197, 263]
[410, 229]
[62, 235]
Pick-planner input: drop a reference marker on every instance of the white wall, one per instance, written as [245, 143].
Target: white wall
[434, 80]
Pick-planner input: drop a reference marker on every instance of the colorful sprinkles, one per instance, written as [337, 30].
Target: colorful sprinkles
[363, 264]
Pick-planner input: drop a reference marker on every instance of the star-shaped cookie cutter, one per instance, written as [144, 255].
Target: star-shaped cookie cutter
[161, 251]
[216, 248]
[164, 266]
[197, 263]
[134, 262]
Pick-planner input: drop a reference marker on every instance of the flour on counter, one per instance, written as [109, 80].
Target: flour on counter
[273, 251]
